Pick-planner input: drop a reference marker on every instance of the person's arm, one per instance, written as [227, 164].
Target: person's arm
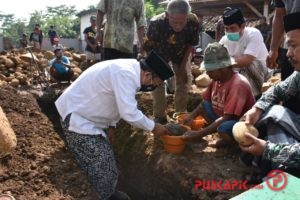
[152, 36]
[250, 53]
[67, 65]
[196, 112]
[193, 40]
[41, 38]
[277, 34]
[140, 19]
[285, 154]
[141, 35]
[100, 16]
[194, 136]
[93, 46]
[160, 130]
[65, 61]
[185, 60]
[252, 115]
[243, 60]
[124, 85]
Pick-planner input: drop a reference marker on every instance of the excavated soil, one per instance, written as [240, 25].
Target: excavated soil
[41, 167]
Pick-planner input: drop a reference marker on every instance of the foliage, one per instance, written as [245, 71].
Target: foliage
[153, 8]
[62, 17]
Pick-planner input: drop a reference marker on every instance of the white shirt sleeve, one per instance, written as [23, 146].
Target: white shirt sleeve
[124, 88]
[255, 40]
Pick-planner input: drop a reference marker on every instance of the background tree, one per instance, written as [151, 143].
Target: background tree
[62, 17]
[153, 8]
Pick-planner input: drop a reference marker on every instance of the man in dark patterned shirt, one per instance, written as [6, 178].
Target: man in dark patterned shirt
[173, 34]
[282, 125]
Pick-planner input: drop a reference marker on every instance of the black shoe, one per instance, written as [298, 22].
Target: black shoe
[118, 195]
[161, 120]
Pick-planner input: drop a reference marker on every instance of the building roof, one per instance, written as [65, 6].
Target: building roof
[87, 12]
[209, 23]
[250, 8]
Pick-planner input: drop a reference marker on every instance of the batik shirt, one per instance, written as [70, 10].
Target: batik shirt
[169, 44]
[283, 91]
[121, 16]
[291, 6]
[287, 155]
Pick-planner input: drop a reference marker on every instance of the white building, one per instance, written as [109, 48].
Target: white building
[84, 23]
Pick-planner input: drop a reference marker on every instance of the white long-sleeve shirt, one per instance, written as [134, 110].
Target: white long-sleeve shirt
[102, 95]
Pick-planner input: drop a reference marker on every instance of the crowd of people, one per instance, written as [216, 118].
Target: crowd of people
[240, 60]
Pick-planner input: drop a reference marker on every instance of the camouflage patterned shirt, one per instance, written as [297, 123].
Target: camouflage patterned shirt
[121, 16]
[287, 155]
[169, 44]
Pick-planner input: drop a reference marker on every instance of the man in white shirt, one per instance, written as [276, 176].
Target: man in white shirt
[92, 105]
[247, 46]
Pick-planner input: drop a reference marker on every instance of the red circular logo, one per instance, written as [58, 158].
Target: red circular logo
[276, 180]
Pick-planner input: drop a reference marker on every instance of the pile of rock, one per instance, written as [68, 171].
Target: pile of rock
[201, 79]
[18, 67]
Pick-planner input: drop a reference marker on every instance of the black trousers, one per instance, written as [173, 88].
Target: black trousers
[109, 54]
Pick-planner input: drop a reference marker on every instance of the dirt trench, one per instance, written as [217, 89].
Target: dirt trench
[41, 167]
[137, 156]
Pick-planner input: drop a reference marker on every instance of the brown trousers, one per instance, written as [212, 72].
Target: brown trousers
[183, 78]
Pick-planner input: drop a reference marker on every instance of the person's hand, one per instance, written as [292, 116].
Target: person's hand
[188, 120]
[191, 136]
[252, 115]
[141, 54]
[160, 130]
[271, 59]
[256, 148]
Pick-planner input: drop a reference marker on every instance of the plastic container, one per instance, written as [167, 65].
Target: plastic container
[197, 123]
[174, 144]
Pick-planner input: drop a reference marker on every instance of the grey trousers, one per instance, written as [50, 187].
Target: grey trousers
[94, 155]
[283, 125]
